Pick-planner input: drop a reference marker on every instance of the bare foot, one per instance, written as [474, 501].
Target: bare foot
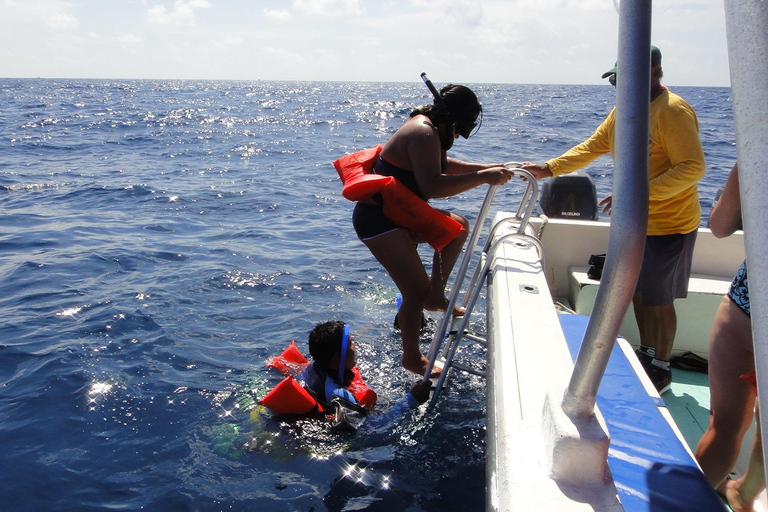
[420, 366]
[736, 501]
[442, 305]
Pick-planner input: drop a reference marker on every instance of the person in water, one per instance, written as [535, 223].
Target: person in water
[416, 155]
[333, 356]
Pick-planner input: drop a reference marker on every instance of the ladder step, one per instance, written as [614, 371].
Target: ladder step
[468, 369]
[476, 339]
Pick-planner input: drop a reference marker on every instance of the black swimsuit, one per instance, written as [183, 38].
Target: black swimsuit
[369, 219]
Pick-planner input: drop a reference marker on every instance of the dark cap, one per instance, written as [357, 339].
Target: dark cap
[655, 61]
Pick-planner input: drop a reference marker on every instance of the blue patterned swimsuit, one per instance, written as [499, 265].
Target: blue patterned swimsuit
[739, 291]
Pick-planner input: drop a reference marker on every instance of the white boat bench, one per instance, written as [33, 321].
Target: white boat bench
[704, 296]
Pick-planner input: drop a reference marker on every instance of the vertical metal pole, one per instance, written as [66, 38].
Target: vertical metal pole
[746, 22]
[629, 217]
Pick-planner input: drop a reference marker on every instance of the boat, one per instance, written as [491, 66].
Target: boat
[573, 422]
[539, 301]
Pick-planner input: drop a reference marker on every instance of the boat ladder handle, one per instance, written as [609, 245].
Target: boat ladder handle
[453, 343]
[442, 328]
[530, 196]
[523, 217]
[524, 212]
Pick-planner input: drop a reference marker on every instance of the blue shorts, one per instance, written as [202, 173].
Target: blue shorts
[739, 291]
[666, 268]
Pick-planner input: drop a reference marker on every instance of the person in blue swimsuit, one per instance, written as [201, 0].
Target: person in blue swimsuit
[731, 362]
[416, 155]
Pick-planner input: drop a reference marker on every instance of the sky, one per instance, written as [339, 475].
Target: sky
[460, 41]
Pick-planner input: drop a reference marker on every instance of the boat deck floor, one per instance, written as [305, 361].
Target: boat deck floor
[687, 401]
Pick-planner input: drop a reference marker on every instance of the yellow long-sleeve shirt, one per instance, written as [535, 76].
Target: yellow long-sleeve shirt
[675, 163]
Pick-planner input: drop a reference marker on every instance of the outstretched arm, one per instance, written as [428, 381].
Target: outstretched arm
[424, 153]
[539, 171]
[599, 143]
[455, 166]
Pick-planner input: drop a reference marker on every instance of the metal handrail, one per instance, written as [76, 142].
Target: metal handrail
[524, 213]
[442, 327]
[485, 264]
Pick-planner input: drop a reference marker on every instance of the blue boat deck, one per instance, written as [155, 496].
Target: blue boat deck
[652, 469]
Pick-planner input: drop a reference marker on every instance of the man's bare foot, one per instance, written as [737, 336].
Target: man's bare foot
[420, 366]
[736, 500]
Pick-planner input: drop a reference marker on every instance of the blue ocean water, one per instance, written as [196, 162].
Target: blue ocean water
[159, 240]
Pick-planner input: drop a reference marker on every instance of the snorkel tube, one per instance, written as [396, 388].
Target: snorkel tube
[343, 355]
[438, 99]
[446, 139]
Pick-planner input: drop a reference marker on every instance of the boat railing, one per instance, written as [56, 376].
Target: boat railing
[451, 338]
[522, 218]
[460, 330]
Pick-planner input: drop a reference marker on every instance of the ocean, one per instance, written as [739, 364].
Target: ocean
[160, 240]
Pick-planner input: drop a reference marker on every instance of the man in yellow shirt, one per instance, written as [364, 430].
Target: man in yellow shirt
[675, 165]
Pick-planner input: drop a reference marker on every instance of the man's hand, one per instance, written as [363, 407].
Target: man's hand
[606, 203]
[539, 171]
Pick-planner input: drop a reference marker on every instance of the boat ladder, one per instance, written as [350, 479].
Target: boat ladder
[451, 330]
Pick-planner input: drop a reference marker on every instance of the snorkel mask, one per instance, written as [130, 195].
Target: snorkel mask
[464, 127]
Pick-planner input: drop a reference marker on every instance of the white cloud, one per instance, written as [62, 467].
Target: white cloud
[229, 41]
[513, 41]
[280, 15]
[466, 12]
[61, 21]
[282, 53]
[52, 13]
[129, 38]
[183, 12]
[328, 7]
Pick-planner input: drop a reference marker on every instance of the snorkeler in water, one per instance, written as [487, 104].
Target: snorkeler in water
[330, 375]
[332, 385]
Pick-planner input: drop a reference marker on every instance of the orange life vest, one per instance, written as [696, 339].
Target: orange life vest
[401, 205]
[290, 397]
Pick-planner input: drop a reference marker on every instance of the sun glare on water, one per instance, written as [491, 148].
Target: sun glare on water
[70, 311]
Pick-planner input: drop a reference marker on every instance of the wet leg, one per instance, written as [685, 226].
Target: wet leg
[442, 266]
[396, 251]
[731, 398]
[741, 494]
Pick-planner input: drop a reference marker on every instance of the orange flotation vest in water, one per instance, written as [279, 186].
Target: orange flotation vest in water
[290, 397]
[401, 205]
